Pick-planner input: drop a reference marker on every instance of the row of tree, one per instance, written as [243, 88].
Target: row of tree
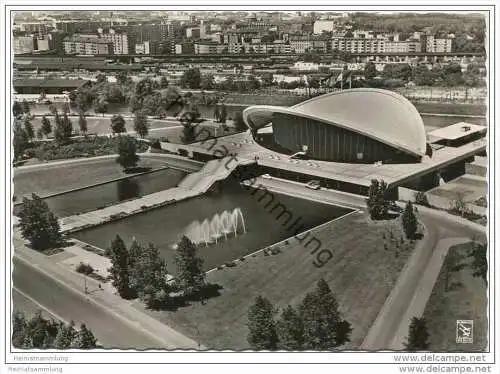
[446, 75]
[140, 271]
[41, 333]
[315, 325]
[141, 126]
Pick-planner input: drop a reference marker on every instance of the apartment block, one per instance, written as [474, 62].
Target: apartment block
[358, 45]
[23, 44]
[118, 39]
[438, 45]
[87, 46]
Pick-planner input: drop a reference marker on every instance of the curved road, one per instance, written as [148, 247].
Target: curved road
[60, 301]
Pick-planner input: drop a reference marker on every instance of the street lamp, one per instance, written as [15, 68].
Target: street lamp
[85, 284]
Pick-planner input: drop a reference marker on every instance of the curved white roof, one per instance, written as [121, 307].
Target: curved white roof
[379, 114]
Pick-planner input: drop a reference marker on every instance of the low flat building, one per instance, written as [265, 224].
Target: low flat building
[47, 86]
[457, 134]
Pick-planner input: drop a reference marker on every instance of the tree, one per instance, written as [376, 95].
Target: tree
[64, 128]
[370, 71]
[26, 107]
[119, 270]
[65, 336]
[451, 75]
[101, 78]
[163, 82]
[122, 78]
[190, 274]
[38, 224]
[20, 140]
[41, 333]
[46, 126]
[84, 339]
[418, 337]
[217, 113]
[101, 105]
[118, 124]
[239, 124]
[134, 251]
[223, 114]
[410, 222]
[127, 154]
[28, 128]
[148, 275]
[17, 109]
[207, 82]
[188, 134]
[141, 124]
[377, 203]
[65, 107]
[82, 123]
[290, 330]
[479, 263]
[18, 329]
[262, 333]
[425, 76]
[324, 329]
[191, 78]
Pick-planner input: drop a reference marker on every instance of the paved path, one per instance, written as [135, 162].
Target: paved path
[423, 290]
[416, 281]
[115, 321]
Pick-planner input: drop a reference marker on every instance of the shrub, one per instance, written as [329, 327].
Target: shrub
[275, 251]
[421, 199]
[83, 268]
[155, 144]
[230, 264]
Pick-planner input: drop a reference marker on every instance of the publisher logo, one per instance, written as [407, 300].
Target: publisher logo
[465, 331]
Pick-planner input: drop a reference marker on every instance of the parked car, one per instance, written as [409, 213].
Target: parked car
[266, 176]
[313, 185]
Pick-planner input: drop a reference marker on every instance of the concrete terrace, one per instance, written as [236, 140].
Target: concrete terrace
[247, 149]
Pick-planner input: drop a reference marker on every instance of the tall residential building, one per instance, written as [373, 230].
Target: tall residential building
[34, 27]
[118, 39]
[437, 45]
[301, 43]
[87, 46]
[23, 44]
[358, 45]
[42, 44]
[403, 47]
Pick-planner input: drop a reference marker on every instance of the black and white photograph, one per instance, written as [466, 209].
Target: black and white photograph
[249, 183]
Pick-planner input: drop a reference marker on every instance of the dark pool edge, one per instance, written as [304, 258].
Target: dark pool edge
[110, 181]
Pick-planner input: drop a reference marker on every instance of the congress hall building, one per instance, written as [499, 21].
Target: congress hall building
[344, 140]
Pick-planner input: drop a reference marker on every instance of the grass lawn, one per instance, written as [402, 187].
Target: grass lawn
[201, 132]
[96, 125]
[466, 298]
[52, 179]
[361, 273]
